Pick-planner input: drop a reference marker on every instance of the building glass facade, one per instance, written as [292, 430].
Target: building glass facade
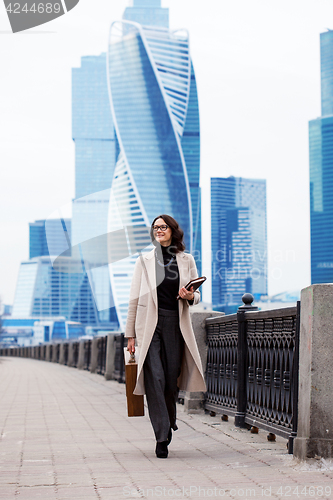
[45, 291]
[154, 106]
[326, 73]
[34, 331]
[147, 13]
[239, 240]
[49, 237]
[46, 330]
[96, 150]
[321, 172]
[190, 143]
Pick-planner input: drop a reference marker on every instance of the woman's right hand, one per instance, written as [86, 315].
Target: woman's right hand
[131, 344]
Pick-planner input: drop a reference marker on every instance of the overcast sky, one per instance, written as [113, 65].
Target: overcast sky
[257, 65]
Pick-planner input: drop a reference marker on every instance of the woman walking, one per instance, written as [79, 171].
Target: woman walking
[169, 359]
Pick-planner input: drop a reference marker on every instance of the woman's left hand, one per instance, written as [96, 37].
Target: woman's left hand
[186, 294]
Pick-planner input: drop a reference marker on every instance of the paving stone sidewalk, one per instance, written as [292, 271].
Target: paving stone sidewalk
[65, 434]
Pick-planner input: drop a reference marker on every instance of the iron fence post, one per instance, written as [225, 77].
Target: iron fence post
[121, 359]
[242, 359]
[295, 375]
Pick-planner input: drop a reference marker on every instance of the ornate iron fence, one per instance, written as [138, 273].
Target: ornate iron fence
[252, 368]
[52, 353]
[101, 358]
[222, 335]
[271, 338]
[75, 361]
[57, 352]
[119, 372]
[87, 354]
[65, 348]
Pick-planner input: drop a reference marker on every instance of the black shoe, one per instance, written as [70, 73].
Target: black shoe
[169, 438]
[162, 449]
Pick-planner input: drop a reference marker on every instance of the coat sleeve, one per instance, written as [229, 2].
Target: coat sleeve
[133, 300]
[193, 275]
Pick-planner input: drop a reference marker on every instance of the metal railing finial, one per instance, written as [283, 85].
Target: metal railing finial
[247, 300]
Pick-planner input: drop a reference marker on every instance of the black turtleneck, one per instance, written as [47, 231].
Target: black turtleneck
[167, 279]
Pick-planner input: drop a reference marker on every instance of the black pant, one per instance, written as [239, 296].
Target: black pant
[161, 370]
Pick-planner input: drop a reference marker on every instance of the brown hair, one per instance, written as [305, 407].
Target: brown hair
[177, 232]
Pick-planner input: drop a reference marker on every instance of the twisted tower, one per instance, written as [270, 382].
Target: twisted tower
[155, 111]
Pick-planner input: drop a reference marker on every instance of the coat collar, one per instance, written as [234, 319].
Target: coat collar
[149, 262]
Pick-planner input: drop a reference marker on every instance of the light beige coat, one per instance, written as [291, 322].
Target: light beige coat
[142, 319]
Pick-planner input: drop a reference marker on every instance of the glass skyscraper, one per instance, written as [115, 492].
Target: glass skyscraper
[321, 171]
[96, 151]
[147, 13]
[49, 237]
[238, 240]
[44, 290]
[154, 106]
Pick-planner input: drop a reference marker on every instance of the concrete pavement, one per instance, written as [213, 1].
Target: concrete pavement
[65, 434]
